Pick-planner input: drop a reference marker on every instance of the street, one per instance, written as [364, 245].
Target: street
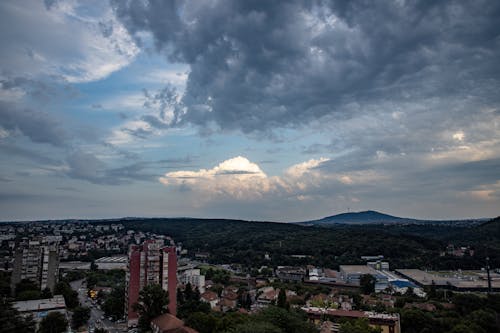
[97, 318]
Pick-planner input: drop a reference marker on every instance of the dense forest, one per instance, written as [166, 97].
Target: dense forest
[404, 246]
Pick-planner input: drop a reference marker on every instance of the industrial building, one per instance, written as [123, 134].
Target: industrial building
[352, 274]
[40, 308]
[460, 280]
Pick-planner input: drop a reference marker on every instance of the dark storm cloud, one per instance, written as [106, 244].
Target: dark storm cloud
[38, 157]
[461, 176]
[40, 127]
[257, 65]
[5, 180]
[86, 166]
[43, 90]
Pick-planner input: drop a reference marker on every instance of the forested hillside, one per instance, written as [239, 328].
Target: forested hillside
[243, 242]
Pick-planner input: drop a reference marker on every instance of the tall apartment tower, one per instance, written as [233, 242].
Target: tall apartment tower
[150, 263]
[37, 261]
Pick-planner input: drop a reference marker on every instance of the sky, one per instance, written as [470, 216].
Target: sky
[259, 110]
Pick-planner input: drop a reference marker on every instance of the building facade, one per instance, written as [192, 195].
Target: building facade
[352, 274]
[193, 276]
[37, 261]
[40, 308]
[150, 263]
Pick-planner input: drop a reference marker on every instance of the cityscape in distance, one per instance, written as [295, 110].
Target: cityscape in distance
[249, 166]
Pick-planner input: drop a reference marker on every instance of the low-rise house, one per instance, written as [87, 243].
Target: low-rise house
[422, 306]
[389, 323]
[290, 274]
[210, 297]
[167, 323]
[267, 296]
[345, 302]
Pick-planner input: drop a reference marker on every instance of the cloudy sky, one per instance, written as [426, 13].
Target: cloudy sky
[264, 110]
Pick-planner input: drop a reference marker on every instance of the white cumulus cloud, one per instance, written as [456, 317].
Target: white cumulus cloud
[240, 178]
[67, 40]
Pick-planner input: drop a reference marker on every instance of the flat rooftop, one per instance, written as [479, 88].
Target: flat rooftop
[358, 269]
[35, 305]
[109, 260]
[422, 277]
[457, 279]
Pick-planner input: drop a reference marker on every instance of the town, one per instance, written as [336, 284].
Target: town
[91, 275]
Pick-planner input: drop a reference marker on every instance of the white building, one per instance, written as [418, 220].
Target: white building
[352, 274]
[194, 277]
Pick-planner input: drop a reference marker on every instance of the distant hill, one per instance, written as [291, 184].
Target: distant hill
[374, 217]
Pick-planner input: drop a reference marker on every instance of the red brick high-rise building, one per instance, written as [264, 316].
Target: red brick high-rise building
[150, 263]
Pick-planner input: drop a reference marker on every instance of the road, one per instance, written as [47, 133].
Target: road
[96, 314]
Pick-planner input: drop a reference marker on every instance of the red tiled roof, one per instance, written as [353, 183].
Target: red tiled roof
[231, 295]
[167, 322]
[209, 296]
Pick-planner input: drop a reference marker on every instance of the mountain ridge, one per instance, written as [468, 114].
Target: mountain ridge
[375, 217]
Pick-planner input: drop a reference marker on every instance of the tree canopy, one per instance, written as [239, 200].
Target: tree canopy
[55, 322]
[153, 301]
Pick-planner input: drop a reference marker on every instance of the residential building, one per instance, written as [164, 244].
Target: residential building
[193, 277]
[210, 297]
[150, 263]
[388, 323]
[37, 261]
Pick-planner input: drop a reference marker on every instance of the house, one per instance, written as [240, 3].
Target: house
[290, 274]
[229, 299]
[210, 297]
[268, 295]
[167, 323]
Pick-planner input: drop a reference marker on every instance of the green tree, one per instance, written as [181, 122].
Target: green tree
[468, 328]
[202, 322]
[189, 302]
[26, 290]
[230, 320]
[467, 303]
[5, 283]
[11, 321]
[367, 283]
[70, 295]
[55, 322]
[153, 301]
[415, 321]
[93, 266]
[80, 316]
[28, 294]
[288, 321]
[358, 326]
[255, 327]
[113, 305]
[26, 284]
[46, 293]
[282, 299]
[486, 319]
